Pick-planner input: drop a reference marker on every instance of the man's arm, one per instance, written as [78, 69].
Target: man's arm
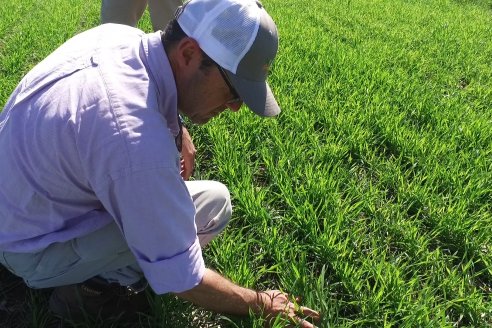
[218, 294]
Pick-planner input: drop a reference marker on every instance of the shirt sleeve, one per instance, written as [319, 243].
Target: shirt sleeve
[155, 213]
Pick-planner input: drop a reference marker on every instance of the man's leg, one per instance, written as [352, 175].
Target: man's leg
[88, 268]
[213, 208]
[122, 11]
[104, 253]
[162, 11]
[73, 268]
[98, 253]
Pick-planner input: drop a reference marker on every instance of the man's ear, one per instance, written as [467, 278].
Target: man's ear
[189, 53]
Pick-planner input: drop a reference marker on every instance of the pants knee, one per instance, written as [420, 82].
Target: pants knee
[221, 199]
[213, 209]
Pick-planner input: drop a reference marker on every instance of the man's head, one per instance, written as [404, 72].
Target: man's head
[220, 52]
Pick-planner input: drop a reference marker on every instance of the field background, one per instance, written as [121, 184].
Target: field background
[370, 195]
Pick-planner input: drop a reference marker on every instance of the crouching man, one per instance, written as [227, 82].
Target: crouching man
[92, 199]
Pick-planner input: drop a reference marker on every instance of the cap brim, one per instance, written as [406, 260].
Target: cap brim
[257, 95]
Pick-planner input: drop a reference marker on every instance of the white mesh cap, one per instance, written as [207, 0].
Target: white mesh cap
[242, 38]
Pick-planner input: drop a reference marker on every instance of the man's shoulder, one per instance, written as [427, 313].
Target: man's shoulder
[113, 34]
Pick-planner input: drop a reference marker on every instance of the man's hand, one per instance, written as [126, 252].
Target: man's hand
[187, 155]
[218, 294]
[276, 303]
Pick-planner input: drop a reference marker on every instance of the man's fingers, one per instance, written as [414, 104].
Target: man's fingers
[302, 313]
[305, 311]
[295, 314]
[187, 155]
[186, 169]
[300, 322]
[306, 324]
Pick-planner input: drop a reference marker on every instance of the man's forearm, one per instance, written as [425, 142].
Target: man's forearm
[218, 294]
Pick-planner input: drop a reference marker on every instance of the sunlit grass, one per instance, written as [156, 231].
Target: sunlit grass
[370, 195]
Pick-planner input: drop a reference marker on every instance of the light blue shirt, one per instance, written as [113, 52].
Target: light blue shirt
[87, 137]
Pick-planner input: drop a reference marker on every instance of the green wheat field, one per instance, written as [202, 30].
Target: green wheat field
[370, 196]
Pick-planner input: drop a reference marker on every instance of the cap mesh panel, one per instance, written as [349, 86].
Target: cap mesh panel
[225, 33]
[232, 35]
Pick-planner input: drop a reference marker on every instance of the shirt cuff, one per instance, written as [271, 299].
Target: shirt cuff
[176, 274]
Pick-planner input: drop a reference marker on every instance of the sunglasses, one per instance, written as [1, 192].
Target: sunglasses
[233, 91]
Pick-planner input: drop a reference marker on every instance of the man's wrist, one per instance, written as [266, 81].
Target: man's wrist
[259, 303]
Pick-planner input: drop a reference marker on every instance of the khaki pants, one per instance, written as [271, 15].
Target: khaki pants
[130, 11]
[105, 253]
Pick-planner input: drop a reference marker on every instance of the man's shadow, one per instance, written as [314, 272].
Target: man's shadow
[17, 301]
[13, 299]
